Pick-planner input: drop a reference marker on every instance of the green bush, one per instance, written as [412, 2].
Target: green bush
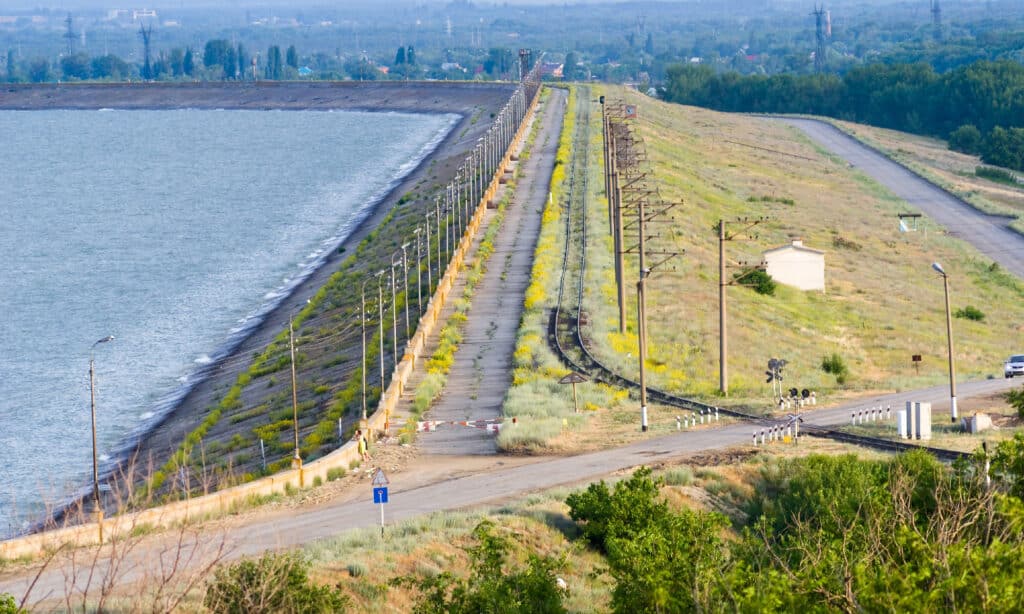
[7, 604]
[834, 364]
[969, 313]
[335, 473]
[995, 174]
[758, 279]
[966, 139]
[273, 583]
[1016, 400]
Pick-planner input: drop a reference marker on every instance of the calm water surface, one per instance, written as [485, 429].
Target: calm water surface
[174, 231]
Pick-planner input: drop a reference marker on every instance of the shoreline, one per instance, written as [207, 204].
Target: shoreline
[469, 101]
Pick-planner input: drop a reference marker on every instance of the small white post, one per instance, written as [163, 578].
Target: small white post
[888, 412]
[853, 418]
[679, 423]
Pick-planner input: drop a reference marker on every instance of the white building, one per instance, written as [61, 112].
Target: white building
[797, 265]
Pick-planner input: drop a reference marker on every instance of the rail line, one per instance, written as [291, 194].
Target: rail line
[566, 320]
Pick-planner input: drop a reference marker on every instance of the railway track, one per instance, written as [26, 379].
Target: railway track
[566, 321]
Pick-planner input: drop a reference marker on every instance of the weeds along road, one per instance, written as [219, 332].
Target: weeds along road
[989, 234]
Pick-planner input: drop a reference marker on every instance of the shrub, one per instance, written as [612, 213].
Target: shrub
[272, 583]
[7, 604]
[758, 279]
[335, 473]
[995, 174]
[835, 365]
[969, 313]
[1016, 400]
[965, 139]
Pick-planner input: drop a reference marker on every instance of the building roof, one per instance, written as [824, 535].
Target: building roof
[798, 245]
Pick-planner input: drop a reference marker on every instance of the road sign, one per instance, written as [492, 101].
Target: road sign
[379, 479]
[380, 495]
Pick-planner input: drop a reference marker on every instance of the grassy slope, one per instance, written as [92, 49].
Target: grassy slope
[882, 302]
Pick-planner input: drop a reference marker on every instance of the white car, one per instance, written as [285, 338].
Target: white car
[1014, 366]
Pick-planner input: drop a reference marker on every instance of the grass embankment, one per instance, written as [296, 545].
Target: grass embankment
[882, 302]
[954, 171]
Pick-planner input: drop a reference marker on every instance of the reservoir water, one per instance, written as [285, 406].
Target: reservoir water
[173, 231]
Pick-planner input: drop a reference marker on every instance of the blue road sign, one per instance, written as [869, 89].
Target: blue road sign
[380, 495]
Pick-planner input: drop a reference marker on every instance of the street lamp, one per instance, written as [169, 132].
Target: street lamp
[394, 312]
[430, 276]
[362, 319]
[297, 459]
[949, 340]
[419, 274]
[97, 508]
[380, 319]
[405, 287]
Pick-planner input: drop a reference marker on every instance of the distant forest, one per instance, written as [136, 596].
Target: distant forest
[979, 107]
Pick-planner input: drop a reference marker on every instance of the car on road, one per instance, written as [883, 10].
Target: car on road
[1014, 366]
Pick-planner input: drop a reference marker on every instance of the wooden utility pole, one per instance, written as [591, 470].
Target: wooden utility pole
[723, 337]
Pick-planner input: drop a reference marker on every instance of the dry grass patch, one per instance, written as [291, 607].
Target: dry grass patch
[882, 303]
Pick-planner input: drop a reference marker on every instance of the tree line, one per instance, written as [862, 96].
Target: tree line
[979, 107]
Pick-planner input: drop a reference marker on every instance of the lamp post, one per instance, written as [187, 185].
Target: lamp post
[405, 287]
[297, 458]
[362, 320]
[394, 312]
[419, 274]
[380, 320]
[97, 509]
[430, 275]
[949, 340]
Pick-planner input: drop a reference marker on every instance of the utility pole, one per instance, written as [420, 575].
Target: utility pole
[723, 343]
[819, 51]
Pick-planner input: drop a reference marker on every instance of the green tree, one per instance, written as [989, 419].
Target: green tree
[966, 139]
[39, 70]
[244, 61]
[75, 66]
[219, 52]
[1004, 147]
[570, 68]
[188, 65]
[11, 69]
[273, 68]
[176, 61]
[111, 67]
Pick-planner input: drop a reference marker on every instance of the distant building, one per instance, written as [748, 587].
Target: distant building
[797, 265]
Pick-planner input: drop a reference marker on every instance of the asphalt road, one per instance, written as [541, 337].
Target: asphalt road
[989, 234]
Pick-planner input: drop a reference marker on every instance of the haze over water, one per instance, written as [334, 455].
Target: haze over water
[171, 230]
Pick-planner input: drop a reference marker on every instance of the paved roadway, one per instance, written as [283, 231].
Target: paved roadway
[989, 234]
